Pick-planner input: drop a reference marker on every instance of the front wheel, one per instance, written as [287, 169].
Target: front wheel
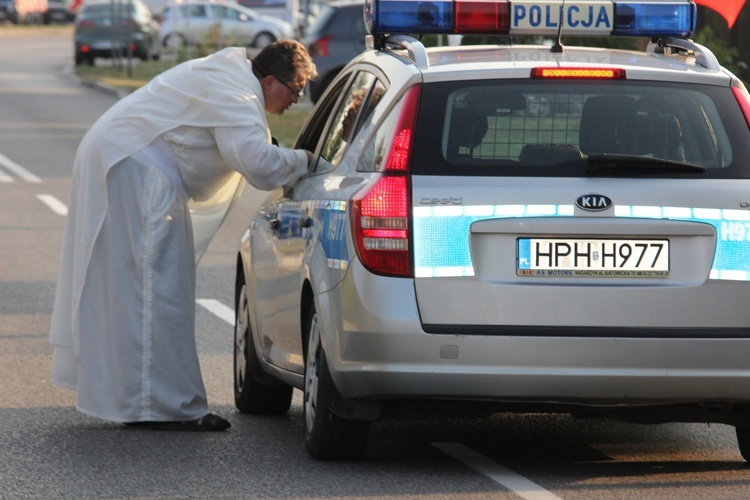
[263, 39]
[252, 395]
[327, 436]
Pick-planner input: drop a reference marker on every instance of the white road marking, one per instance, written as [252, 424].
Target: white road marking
[514, 482]
[17, 169]
[506, 477]
[54, 204]
[5, 177]
[217, 308]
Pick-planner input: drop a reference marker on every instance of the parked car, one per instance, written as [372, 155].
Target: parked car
[336, 36]
[23, 11]
[57, 12]
[278, 9]
[458, 246]
[201, 23]
[106, 29]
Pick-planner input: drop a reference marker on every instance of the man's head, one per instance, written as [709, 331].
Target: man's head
[283, 69]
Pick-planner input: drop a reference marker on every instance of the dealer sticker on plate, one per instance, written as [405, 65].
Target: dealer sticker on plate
[623, 258]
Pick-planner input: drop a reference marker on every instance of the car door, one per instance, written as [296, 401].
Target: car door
[304, 228]
[198, 22]
[278, 241]
[235, 28]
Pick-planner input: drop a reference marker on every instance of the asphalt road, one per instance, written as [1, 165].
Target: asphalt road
[49, 450]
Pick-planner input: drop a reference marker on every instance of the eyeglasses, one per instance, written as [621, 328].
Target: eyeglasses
[295, 93]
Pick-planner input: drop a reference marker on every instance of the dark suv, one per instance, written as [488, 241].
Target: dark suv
[104, 29]
[337, 35]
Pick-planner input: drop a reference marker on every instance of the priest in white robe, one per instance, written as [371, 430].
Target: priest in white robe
[153, 180]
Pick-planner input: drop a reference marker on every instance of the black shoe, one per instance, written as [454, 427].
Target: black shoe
[206, 423]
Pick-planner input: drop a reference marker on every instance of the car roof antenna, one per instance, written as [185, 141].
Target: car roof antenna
[557, 48]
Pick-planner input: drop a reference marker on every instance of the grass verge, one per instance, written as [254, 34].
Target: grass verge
[285, 128]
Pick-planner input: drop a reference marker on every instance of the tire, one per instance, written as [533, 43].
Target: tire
[263, 39]
[251, 395]
[327, 436]
[743, 442]
[174, 41]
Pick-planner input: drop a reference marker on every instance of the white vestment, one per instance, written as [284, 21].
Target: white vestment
[123, 319]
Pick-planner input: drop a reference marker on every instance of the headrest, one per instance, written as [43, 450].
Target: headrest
[608, 125]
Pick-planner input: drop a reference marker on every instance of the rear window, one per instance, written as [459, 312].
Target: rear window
[107, 10]
[321, 22]
[512, 127]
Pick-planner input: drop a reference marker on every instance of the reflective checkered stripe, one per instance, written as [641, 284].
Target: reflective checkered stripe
[441, 234]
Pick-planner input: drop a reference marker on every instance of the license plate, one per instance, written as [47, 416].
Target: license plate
[104, 44]
[593, 258]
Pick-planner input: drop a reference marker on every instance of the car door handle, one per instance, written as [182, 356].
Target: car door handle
[305, 222]
[274, 224]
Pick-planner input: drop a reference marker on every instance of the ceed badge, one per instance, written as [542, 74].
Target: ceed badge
[594, 202]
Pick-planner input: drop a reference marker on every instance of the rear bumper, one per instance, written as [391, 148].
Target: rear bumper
[378, 350]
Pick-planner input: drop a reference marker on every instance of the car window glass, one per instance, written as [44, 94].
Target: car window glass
[231, 14]
[312, 132]
[534, 125]
[106, 10]
[320, 23]
[374, 153]
[343, 124]
[359, 25]
[195, 11]
[368, 105]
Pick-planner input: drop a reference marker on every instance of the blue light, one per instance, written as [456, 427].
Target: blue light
[408, 16]
[654, 19]
[533, 17]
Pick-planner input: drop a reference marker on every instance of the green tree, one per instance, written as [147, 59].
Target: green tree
[729, 46]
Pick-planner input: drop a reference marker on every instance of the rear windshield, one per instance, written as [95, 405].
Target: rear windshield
[524, 127]
[107, 10]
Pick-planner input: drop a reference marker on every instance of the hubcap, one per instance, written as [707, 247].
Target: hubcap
[241, 330]
[311, 379]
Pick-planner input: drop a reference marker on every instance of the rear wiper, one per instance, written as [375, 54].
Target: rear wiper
[616, 161]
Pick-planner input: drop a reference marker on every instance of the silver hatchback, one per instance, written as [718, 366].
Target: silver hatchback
[508, 228]
[225, 23]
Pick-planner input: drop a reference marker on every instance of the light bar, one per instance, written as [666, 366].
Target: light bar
[578, 73]
[675, 18]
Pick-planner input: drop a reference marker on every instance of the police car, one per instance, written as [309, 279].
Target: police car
[540, 228]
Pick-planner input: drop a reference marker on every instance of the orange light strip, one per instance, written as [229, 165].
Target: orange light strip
[578, 73]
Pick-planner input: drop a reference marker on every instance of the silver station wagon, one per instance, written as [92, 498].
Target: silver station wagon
[508, 228]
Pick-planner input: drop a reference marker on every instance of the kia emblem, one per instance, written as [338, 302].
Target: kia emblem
[594, 202]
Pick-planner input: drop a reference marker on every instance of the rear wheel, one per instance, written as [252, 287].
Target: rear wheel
[327, 436]
[174, 41]
[263, 39]
[254, 391]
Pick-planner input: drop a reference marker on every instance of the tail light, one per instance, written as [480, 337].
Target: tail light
[380, 211]
[319, 48]
[86, 24]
